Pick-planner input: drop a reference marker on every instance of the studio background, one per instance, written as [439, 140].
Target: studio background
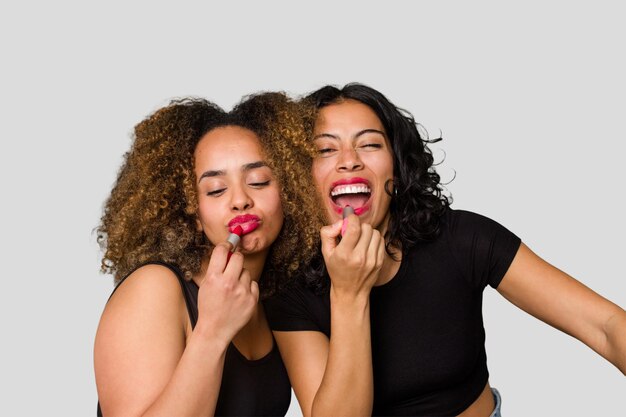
[529, 97]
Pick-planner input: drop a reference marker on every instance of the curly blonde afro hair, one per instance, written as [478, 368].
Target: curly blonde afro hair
[151, 212]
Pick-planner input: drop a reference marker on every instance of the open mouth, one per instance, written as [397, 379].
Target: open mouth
[353, 194]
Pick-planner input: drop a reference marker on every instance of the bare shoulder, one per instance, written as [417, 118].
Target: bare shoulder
[140, 338]
[150, 295]
[149, 283]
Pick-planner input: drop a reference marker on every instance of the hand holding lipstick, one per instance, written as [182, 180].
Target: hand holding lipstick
[354, 262]
[227, 296]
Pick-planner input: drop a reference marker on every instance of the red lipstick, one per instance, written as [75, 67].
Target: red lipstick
[348, 182]
[247, 222]
[233, 238]
[357, 211]
[353, 180]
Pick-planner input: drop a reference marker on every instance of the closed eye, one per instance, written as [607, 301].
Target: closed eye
[216, 193]
[372, 145]
[259, 184]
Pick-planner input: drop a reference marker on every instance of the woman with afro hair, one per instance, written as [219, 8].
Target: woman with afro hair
[184, 332]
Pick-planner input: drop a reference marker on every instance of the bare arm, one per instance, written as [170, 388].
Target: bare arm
[347, 387]
[147, 360]
[141, 361]
[331, 377]
[334, 377]
[554, 297]
[305, 354]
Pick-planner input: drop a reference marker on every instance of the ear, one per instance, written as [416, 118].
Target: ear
[198, 225]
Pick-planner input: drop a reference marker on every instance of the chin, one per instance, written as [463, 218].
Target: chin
[255, 247]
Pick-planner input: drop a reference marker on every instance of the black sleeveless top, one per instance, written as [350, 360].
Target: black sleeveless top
[249, 387]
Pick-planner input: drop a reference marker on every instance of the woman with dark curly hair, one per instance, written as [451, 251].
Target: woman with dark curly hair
[184, 333]
[404, 276]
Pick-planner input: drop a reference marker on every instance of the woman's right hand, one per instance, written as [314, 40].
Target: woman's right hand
[353, 263]
[227, 296]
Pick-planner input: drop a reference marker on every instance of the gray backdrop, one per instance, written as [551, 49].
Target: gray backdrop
[529, 97]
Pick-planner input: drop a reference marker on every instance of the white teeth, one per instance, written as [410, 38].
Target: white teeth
[350, 189]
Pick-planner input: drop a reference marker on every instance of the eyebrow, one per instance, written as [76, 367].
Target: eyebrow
[221, 172]
[356, 135]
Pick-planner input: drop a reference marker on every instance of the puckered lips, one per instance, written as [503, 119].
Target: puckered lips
[248, 222]
[355, 192]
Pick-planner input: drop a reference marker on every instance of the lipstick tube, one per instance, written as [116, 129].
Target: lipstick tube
[347, 210]
[234, 238]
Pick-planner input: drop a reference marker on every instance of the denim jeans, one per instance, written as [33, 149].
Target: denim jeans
[498, 400]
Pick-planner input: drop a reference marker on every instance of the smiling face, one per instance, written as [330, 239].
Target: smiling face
[354, 162]
[236, 187]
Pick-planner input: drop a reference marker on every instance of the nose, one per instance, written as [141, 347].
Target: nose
[349, 160]
[240, 200]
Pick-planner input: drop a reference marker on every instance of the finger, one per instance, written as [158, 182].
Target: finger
[379, 250]
[328, 235]
[382, 251]
[352, 231]
[219, 258]
[234, 266]
[245, 278]
[365, 238]
[254, 290]
[373, 247]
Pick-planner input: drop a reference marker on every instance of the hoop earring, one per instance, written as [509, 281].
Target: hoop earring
[391, 188]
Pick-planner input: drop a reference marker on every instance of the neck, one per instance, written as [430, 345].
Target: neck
[382, 227]
[254, 263]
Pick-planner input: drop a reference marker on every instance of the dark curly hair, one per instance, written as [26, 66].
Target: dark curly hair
[151, 212]
[418, 201]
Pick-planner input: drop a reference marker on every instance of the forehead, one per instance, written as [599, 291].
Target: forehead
[228, 145]
[347, 115]
[227, 135]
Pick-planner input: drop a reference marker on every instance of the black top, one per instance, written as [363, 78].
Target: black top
[249, 387]
[428, 340]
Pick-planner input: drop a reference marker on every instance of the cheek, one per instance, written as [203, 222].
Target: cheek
[206, 213]
[279, 222]
[277, 219]
[319, 172]
[389, 165]
[381, 165]
[203, 209]
[278, 213]
[275, 207]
